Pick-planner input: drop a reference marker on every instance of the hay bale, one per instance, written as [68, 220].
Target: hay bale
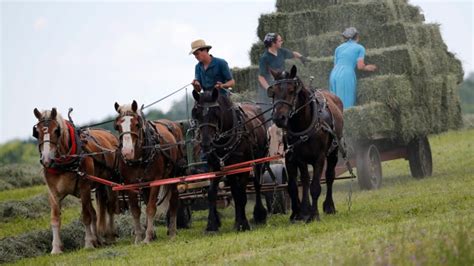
[362, 15]
[369, 121]
[245, 79]
[392, 90]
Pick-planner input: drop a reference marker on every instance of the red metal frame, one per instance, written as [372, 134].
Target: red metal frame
[226, 170]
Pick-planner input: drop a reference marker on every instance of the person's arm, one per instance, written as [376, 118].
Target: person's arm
[360, 61]
[228, 84]
[263, 82]
[196, 81]
[225, 70]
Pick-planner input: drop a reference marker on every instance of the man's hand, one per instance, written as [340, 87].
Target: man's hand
[219, 85]
[196, 85]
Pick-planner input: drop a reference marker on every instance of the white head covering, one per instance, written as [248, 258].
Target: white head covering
[349, 33]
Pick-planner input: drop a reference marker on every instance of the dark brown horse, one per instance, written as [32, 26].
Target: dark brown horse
[149, 151]
[64, 155]
[313, 124]
[231, 134]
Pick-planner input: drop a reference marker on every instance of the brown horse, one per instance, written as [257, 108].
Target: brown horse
[231, 134]
[64, 155]
[149, 151]
[313, 124]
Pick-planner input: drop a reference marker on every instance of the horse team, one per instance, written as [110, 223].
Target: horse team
[151, 150]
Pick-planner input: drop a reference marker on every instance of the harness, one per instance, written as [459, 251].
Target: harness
[321, 117]
[225, 144]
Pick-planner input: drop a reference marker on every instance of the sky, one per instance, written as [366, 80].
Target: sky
[90, 54]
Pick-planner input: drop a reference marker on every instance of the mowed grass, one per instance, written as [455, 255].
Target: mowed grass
[408, 221]
[22, 193]
[21, 225]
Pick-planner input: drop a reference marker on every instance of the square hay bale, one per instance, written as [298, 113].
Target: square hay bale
[245, 79]
[361, 14]
[392, 90]
[450, 103]
[412, 121]
[369, 121]
[256, 52]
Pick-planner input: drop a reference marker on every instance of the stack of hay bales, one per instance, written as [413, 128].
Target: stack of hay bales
[413, 92]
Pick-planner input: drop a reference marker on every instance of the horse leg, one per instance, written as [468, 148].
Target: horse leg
[305, 204]
[55, 206]
[101, 202]
[240, 200]
[316, 188]
[173, 211]
[87, 216]
[136, 211]
[150, 214]
[112, 201]
[259, 211]
[213, 221]
[328, 204]
[293, 191]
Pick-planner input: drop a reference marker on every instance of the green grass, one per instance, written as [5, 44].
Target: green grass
[22, 193]
[20, 225]
[408, 221]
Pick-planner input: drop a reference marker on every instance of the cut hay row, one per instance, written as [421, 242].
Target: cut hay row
[38, 243]
[20, 175]
[296, 25]
[34, 207]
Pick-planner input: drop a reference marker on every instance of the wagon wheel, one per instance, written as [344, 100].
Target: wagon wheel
[277, 202]
[369, 167]
[419, 157]
[184, 215]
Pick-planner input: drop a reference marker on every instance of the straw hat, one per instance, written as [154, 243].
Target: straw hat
[198, 44]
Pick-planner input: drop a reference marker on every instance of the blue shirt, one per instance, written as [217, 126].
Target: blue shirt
[218, 70]
[275, 62]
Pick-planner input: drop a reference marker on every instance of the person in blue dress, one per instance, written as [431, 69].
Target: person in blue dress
[348, 56]
[210, 72]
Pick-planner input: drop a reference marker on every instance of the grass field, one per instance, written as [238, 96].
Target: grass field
[408, 221]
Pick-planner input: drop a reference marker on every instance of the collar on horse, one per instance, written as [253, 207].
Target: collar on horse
[70, 161]
[317, 103]
[227, 141]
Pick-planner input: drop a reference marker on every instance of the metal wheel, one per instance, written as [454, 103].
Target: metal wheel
[369, 167]
[276, 201]
[419, 157]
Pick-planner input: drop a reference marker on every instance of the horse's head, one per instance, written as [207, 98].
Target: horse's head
[285, 92]
[48, 131]
[129, 125]
[207, 112]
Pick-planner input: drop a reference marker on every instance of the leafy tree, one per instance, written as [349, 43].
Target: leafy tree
[466, 94]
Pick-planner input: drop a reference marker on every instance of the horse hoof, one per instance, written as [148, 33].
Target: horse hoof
[210, 232]
[329, 208]
[56, 251]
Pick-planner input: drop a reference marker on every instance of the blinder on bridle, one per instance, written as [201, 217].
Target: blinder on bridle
[35, 133]
[284, 82]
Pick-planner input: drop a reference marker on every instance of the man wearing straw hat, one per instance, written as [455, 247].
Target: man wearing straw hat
[210, 72]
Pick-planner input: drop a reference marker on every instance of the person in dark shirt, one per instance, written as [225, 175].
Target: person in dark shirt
[210, 72]
[273, 58]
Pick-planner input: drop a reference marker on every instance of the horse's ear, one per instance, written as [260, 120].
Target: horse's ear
[196, 95]
[215, 94]
[37, 114]
[293, 71]
[134, 106]
[54, 113]
[274, 73]
[117, 106]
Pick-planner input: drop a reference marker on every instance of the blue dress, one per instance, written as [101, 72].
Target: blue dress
[343, 80]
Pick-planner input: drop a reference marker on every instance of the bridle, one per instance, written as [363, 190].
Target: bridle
[45, 129]
[283, 83]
